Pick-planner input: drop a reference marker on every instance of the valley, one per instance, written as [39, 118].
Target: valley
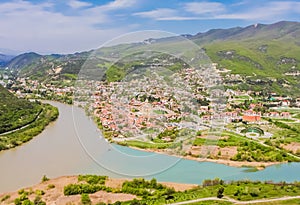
[226, 96]
[259, 125]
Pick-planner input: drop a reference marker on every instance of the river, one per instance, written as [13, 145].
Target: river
[73, 145]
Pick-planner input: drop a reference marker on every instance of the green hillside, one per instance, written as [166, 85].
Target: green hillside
[266, 56]
[21, 120]
[15, 112]
[264, 59]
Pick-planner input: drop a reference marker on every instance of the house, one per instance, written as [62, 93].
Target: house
[206, 117]
[285, 103]
[251, 118]
[251, 112]
[252, 106]
[285, 115]
[273, 114]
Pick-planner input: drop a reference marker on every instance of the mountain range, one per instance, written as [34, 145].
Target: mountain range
[268, 54]
[4, 59]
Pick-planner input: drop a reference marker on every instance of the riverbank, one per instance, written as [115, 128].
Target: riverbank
[93, 189]
[256, 165]
[13, 139]
[53, 190]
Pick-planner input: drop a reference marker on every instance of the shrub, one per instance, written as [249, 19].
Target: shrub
[27, 202]
[73, 189]
[18, 201]
[39, 192]
[92, 179]
[38, 200]
[21, 191]
[5, 198]
[254, 192]
[85, 199]
[45, 178]
[51, 186]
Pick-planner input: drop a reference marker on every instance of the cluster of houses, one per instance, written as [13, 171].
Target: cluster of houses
[25, 87]
[138, 109]
[150, 101]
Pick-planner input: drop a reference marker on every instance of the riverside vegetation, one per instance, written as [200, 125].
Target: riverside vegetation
[151, 192]
[21, 120]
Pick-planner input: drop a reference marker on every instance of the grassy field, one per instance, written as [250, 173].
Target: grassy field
[147, 145]
[285, 202]
[248, 150]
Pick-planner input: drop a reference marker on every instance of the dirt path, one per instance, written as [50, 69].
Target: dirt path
[236, 201]
[267, 200]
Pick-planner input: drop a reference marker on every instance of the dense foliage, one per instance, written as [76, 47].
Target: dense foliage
[92, 179]
[15, 112]
[73, 189]
[48, 114]
[141, 187]
[151, 192]
[88, 184]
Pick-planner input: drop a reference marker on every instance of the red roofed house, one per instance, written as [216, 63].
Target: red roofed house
[251, 116]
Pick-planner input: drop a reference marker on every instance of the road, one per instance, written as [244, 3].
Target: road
[20, 128]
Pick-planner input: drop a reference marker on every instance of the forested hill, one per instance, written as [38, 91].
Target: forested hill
[15, 112]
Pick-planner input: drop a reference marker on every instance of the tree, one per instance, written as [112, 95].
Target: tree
[220, 192]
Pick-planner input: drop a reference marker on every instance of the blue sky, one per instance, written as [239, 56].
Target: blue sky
[68, 26]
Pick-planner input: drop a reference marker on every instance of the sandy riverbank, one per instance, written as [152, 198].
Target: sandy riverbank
[55, 195]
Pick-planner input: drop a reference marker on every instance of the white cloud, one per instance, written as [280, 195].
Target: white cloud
[204, 7]
[118, 4]
[78, 4]
[270, 11]
[157, 13]
[285, 6]
[27, 26]
[260, 11]
[164, 14]
[178, 18]
[42, 28]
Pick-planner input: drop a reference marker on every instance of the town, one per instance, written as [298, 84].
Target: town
[176, 111]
